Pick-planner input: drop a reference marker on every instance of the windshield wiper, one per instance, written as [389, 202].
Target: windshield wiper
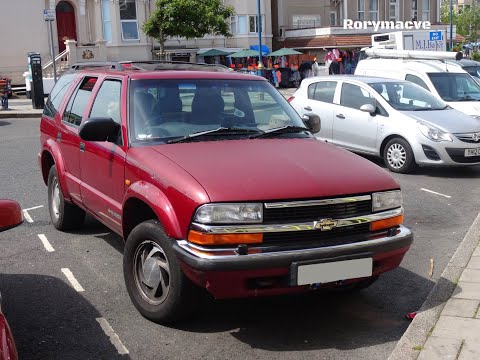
[219, 131]
[424, 109]
[467, 98]
[281, 130]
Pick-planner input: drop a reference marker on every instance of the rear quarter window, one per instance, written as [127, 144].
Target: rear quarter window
[57, 95]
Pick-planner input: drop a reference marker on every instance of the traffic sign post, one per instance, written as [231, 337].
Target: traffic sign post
[49, 15]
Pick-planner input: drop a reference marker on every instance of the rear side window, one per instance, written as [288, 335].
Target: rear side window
[416, 80]
[57, 95]
[78, 102]
[322, 91]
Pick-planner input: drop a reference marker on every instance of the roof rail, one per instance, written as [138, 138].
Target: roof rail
[413, 54]
[173, 65]
[109, 65]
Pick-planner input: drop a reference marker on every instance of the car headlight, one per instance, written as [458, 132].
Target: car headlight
[476, 117]
[387, 200]
[433, 133]
[229, 213]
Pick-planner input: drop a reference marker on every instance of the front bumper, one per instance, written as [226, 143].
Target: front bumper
[449, 153]
[243, 275]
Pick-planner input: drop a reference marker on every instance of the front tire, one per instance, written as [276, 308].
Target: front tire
[398, 156]
[64, 216]
[153, 277]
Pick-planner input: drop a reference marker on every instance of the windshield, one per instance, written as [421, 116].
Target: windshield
[163, 110]
[407, 96]
[473, 70]
[455, 86]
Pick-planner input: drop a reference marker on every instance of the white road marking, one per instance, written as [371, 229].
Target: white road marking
[27, 216]
[115, 340]
[46, 243]
[76, 285]
[33, 208]
[436, 193]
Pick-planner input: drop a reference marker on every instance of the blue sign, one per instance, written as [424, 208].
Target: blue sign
[436, 36]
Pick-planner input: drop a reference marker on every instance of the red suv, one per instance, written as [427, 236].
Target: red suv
[215, 182]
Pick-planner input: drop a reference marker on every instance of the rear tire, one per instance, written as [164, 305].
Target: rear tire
[64, 216]
[398, 156]
[153, 277]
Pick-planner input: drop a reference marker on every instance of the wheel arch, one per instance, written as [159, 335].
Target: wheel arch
[387, 139]
[50, 156]
[144, 201]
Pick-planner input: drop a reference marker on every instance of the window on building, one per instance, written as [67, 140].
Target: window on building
[373, 10]
[426, 10]
[242, 24]
[107, 24]
[305, 21]
[233, 25]
[128, 20]
[414, 10]
[393, 10]
[253, 24]
[333, 18]
[361, 9]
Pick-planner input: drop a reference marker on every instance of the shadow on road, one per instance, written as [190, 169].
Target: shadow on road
[50, 320]
[5, 123]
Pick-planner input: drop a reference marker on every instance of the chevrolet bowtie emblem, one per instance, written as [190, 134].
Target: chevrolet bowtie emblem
[326, 224]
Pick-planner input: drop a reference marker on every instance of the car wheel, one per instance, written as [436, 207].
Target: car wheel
[64, 216]
[153, 277]
[398, 156]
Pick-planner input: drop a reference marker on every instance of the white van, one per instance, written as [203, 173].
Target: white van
[444, 80]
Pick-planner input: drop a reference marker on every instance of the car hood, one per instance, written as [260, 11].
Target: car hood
[467, 107]
[448, 120]
[269, 169]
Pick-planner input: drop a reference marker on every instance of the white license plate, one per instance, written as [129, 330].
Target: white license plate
[334, 271]
[472, 152]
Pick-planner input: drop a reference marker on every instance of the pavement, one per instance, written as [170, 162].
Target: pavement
[447, 326]
[20, 107]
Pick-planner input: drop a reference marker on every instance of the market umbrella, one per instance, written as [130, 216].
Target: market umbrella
[244, 53]
[285, 51]
[214, 52]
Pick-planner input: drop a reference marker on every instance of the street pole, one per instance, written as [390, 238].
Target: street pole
[52, 51]
[451, 25]
[260, 63]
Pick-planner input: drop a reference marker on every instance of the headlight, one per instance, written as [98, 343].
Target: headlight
[229, 213]
[476, 117]
[387, 200]
[433, 133]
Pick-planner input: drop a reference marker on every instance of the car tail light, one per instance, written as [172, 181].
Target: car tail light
[291, 98]
[386, 223]
[223, 239]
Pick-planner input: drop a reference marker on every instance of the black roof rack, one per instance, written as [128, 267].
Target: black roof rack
[150, 65]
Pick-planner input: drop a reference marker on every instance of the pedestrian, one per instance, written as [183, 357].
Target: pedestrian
[316, 69]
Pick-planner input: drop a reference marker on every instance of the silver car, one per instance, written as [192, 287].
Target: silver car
[394, 119]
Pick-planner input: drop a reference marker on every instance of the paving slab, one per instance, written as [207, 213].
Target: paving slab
[457, 328]
[467, 290]
[471, 275]
[474, 263]
[438, 348]
[461, 308]
[470, 351]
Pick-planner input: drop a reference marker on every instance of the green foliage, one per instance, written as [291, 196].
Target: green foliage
[467, 21]
[188, 18]
[476, 56]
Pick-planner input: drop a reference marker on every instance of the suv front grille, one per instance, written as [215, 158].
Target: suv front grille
[337, 236]
[316, 212]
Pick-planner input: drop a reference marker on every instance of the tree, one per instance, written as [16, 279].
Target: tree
[467, 20]
[187, 18]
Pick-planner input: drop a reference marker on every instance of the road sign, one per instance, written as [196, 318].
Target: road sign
[48, 15]
[435, 36]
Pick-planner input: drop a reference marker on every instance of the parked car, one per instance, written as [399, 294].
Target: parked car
[470, 66]
[445, 80]
[214, 182]
[393, 119]
[10, 216]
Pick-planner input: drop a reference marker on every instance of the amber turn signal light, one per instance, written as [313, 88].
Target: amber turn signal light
[386, 223]
[223, 239]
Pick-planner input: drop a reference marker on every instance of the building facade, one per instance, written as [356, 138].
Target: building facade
[110, 30]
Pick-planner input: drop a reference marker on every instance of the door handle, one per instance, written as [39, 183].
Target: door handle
[308, 108]
[340, 116]
[59, 136]
[82, 147]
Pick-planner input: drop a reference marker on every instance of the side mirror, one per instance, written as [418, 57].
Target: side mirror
[99, 129]
[312, 122]
[10, 214]
[368, 108]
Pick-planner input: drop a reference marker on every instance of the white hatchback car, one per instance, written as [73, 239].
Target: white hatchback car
[394, 119]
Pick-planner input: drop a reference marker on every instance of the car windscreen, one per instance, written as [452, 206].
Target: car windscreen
[455, 86]
[163, 110]
[473, 70]
[407, 96]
